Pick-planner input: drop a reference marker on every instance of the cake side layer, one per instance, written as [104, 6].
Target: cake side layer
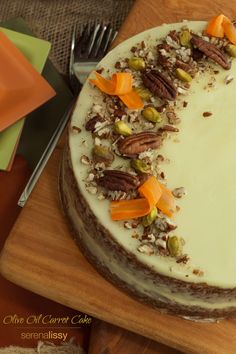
[124, 270]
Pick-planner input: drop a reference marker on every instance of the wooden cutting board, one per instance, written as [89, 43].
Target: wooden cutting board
[41, 256]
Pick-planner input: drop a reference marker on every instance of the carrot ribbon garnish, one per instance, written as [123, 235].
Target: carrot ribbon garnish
[119, 85]
[154, 193]
[166, 203]
[151, 190]
[230, 30]
[129, 209]
[221, 25]
[215, 27]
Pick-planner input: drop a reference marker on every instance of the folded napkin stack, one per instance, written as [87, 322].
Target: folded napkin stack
[22, 88]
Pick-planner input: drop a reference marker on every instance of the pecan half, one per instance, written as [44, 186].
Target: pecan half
[115, 180]
[159, 85]
[140, 142]
[211, 51]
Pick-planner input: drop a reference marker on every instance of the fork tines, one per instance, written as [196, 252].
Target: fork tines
[94, 41]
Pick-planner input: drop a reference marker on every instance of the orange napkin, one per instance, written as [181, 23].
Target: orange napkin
[22, 88]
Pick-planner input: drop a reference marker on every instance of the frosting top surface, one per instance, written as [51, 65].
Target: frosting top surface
[202, 160]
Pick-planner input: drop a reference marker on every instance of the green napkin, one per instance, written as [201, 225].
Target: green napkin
[36, 51]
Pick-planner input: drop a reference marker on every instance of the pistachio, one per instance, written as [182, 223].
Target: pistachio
[152, 115]
[122, 128]
[144, 93]
[140, 166]
[102, 154]
[231, 50]
[136, 63]
[150, 218]
[184, 38]
[183, 75]
[174, 246]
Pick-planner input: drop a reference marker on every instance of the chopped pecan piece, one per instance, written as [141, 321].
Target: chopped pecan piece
[164, 46]
[162, 57]
[146, 249]
[165, 63]
[174, 35]
[172, 117]
[91, 123]
[211, 51]
[165, 225]
[143, 177]
[179, 192]
[161, 108]
[186, 67]
[76, 129]
[206, 114]
[159, 85]
[168, 128]
[140, 142]
[119, 112]
[100, 70]
[228, 79]
[115, 180]
[197, 54]
[182, 259]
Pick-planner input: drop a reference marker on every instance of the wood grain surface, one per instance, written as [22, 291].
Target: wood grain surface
[41, 256]
[151, 13]
[109, 339]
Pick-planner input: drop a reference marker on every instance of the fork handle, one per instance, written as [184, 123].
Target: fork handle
[45, 157]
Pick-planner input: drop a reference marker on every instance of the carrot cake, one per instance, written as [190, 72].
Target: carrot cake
[148, 175]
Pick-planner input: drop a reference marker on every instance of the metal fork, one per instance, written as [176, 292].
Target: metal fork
[88, 50]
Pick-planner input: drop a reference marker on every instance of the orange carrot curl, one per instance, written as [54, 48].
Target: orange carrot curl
[153, 193]
[220, 26]
[120, 85]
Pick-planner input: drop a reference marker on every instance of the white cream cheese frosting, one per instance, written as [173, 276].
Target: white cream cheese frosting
[202, 159]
